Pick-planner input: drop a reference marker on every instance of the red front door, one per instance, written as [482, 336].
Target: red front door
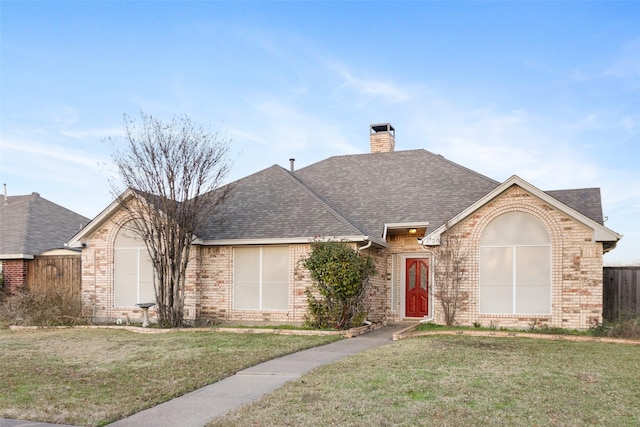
[417, 287]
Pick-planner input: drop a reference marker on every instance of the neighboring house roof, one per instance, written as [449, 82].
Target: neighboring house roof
[31, 224]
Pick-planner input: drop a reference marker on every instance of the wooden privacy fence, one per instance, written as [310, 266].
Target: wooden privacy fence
[60, 272]
[621, 292]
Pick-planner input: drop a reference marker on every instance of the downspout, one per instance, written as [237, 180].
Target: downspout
[367, 246]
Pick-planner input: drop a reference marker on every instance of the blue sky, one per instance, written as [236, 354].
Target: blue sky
[548, 91]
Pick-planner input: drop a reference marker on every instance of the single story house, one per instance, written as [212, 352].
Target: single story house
[32, 226]
[530, 255]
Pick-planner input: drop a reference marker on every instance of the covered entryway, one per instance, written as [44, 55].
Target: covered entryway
[416, 287]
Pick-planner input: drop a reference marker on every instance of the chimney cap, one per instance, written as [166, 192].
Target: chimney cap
[382, 127]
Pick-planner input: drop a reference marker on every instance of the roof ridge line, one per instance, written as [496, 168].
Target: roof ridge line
[431, 153]
[458, 165]
[27, 232]
[337, 212]
[574, 189]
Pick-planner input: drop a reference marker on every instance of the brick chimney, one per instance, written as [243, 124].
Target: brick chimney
[382, 137]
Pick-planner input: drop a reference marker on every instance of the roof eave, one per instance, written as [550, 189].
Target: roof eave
[80, 237]
[287, 240]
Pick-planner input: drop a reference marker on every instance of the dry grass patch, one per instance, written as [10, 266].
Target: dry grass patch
[462, 381]
[95, 376]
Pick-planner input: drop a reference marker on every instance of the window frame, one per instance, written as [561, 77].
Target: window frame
[516, 285]
[141, 253]
[261, 284]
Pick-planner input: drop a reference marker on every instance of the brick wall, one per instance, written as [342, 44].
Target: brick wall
[378, 294]
[216, 288]
[209, 284]
[403, 246]
[14, 274]
[576, 274]
[576, 282]
[576, 264]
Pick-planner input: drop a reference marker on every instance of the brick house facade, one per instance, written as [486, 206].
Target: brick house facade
[397, 218]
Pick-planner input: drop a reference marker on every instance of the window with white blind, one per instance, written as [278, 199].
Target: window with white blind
[261, 278]
[133, 270]
[515, 266]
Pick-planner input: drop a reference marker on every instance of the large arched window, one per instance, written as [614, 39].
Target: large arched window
[515, 266]
[133, 270]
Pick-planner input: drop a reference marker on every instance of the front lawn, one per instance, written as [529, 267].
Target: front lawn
[96, 376]
[462, 381]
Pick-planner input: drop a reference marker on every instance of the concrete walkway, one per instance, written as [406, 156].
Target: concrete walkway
[199, 407]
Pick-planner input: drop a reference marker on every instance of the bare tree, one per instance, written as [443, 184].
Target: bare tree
[173, 172]
[450, 274]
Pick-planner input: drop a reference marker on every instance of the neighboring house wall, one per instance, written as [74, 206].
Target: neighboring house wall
[14, 274]
[576, 266]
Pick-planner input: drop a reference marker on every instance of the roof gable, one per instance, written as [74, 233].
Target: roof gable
[601, 233]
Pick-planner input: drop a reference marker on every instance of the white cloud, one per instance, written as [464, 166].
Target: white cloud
[16, 150]
[96, 133]
[367, 90]
[626, 65]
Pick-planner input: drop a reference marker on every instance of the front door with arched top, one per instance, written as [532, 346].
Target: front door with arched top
[417, 287]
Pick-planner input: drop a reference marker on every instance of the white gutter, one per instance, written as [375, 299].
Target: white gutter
[427, 319]
[16, 256]
[367, 246]
[279, 240]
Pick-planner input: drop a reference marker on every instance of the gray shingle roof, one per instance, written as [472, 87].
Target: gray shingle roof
[273, 203]
[31, 224]
[400, 186]
[355, 195]
[587, 201]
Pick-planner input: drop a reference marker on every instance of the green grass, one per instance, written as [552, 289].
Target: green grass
[462, 381]
[94, 376]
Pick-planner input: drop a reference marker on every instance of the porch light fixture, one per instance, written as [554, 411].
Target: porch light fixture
[413, 231]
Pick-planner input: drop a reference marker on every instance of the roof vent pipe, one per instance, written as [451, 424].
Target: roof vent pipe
[291, 162]
[5, 194]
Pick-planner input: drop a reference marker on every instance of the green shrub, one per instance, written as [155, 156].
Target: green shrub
[340, 277]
